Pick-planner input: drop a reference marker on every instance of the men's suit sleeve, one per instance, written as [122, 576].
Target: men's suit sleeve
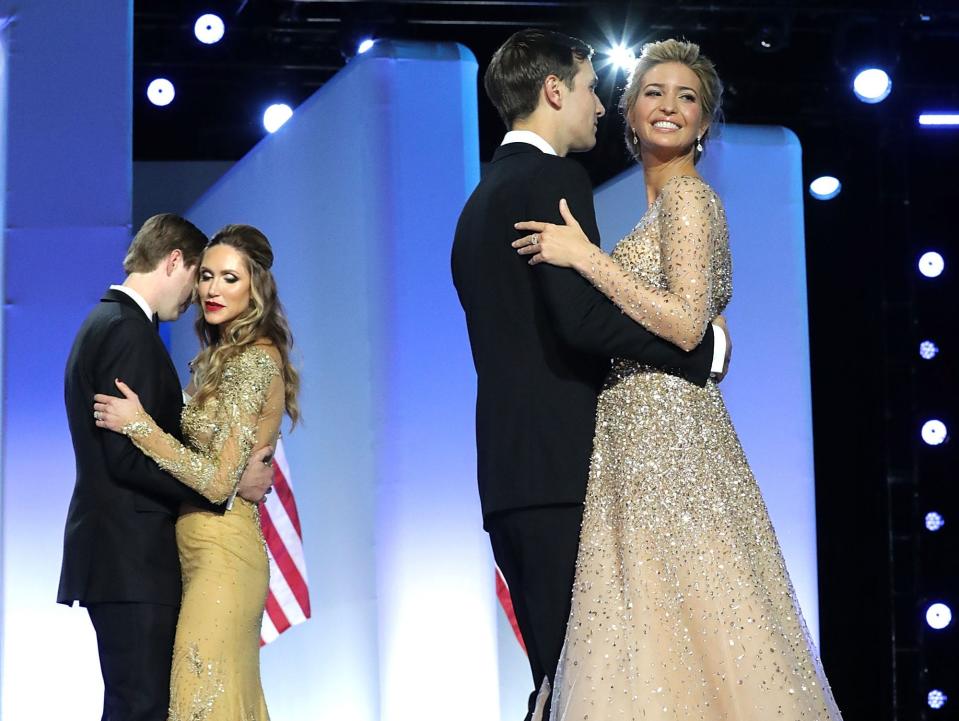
[129, 353]
[583, 317]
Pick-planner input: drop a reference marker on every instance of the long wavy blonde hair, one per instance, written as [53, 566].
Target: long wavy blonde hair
[263, 320]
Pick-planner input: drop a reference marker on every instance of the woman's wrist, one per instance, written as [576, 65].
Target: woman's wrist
[585, 261]
[139, 427]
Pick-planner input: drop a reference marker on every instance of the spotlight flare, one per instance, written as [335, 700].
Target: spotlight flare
[934, 432]
[622, 57]
[872, 85]
[928, 350]
[938, 616]
[276, 115]
[209, 29]
[825, 187]
[936, 699]
[931, 264]
[934, 521]
[161, 92]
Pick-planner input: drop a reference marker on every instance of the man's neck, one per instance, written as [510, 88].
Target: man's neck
[145, 285]
[545, 130]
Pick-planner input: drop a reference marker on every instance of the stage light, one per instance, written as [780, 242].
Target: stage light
[872, 85]
[160, 92]
[622, 57]
[825, 187]
[275, 115]
[928, 350]
[942, 120]
[938, 616]
[208, 29]
[768, 33]
[934, 432]
[934, 521]
[931, 264]
[365, 44]
[936, 699]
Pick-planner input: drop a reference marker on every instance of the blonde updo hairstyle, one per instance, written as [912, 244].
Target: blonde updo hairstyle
[264, 319]
[674, 51]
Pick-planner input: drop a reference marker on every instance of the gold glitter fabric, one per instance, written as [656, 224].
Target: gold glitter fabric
[216, 654]
[682, 607]
[221, 434]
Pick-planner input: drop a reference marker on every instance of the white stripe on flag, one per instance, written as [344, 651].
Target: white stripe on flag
[284, 596]
[287, 537]
[268, 630]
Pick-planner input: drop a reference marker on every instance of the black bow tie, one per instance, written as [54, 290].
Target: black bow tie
[156, 321]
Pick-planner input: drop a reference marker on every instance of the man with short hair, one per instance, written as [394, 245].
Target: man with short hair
[119, 551]
[542, 336]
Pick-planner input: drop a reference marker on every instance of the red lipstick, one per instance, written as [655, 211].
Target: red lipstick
[213, 306]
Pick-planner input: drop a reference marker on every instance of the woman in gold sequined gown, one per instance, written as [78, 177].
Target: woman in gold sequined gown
[243, 383]
[682, 607]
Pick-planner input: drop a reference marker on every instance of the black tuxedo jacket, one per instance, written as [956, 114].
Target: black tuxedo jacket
[542, 337]
[119, 544]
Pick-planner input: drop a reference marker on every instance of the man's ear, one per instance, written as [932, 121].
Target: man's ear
[175, 257]
[553, 91]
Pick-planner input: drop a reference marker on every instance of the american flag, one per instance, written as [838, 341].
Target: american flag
[288, 601]
[506, 601]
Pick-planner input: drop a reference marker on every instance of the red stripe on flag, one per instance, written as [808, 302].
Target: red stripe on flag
[502, 593]
[275, 612]
[284, 562]
[288, 602]
[285, 494]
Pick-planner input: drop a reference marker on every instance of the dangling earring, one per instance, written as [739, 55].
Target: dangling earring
[699, 145]
[635, 138]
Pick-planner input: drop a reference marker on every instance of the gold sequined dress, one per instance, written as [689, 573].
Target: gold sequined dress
[216, 654]
[682, 608]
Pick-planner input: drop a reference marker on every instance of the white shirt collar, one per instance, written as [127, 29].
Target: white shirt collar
[144, 306]
[530, 138]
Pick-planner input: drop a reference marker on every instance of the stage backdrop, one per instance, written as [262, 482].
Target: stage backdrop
[359, 193]
[67, 127]
[757, 172]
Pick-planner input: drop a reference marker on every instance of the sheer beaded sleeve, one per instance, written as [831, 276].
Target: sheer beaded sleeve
[248, 401]
[688, 231]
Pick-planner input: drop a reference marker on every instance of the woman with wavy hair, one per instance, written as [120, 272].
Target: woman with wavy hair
[682, 607]
[243, 383]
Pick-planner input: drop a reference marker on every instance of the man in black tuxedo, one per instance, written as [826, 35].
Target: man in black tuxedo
[119, 551]
[542, 337]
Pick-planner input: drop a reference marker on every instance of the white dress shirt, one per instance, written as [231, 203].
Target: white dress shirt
[530, 138]
[144, 306]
